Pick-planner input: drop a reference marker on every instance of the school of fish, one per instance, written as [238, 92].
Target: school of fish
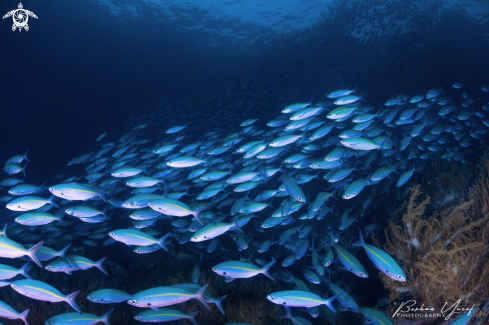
[300, 181]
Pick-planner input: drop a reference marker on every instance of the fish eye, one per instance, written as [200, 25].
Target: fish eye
[223, 273]
[51, 189]
[49, 267]
[111, 234]
[91, 297]
[138, 249]
[362, 274]
[150, 204]
[399, 276]
[14, 286]
[148, 304]
[139, 317]
[272, 297]
[132, 301]
[284, 303]
[214, 269]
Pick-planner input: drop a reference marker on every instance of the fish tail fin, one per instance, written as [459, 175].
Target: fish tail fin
[218, 303]
[62, 253]
[208, 161]
[196, 215]
[270, 203]
[24, 314]
[25, 155]
[186, 191]
[360, 242]
[51, 201]
[235, 225]
[60, 219]
[99, 265]
[200, 295]
[41, 188]
[329, 302]
[102, 192]
[24, 269]
[104, 211]
[267, 267]
[71, 300]
[23, 169]
[166, 190]
[4, 231]
[105, 318]
[191, 317]
[161, 242]
[32, 253]
[300, 227]
[290, 279]
[4, 283]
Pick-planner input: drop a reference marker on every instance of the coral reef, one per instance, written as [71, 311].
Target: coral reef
[445, 254]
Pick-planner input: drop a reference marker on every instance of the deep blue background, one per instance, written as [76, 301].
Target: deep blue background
[81, 71]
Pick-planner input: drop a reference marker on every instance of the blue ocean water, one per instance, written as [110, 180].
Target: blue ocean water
[84, 68]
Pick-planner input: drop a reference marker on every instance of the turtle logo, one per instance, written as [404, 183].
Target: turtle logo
[20, 17]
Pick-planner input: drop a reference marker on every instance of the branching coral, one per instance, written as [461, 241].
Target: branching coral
[444, 255]
[479, 193]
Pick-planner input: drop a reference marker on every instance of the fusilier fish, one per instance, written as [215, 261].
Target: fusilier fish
[108, 296]
[79, 319]
[299, 298]
[8, 312]
[165, 296]
[136, 237]
[383, 261]
[241, 270]
[39, 290]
